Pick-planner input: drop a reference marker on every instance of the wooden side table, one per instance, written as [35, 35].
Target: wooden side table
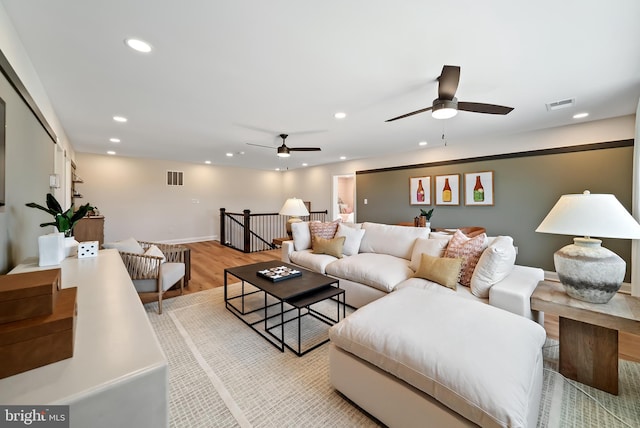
[589, 333]
[279, 241]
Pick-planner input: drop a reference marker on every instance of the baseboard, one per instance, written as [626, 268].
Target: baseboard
[189, 240]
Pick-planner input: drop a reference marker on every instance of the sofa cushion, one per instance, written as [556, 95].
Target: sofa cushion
[353, 237]
[301, 235]
[314, 262]
[433, 247]
[129, 245]
[326, 230]
[469, 249]
[380, 271]
[478, 360]
[495, 263]
[332, 247]
[154, 251]
[441, 270]
[389, 239]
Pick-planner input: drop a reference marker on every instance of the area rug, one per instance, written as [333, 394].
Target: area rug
[223, 374]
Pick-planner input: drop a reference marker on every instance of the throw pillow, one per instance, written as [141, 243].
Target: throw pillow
[325, 230]
[352, 236]
[433, 247]
[128, 245]
[332, 247]
[495, 263]
[301, 235]
[153, 250]
[444, 271]
[468, 249]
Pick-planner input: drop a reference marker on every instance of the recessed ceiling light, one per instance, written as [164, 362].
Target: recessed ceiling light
[580, 115]
[277, 169]
[305, 164]
[114, 140]
[340, 115]
[138, 45]
[229, 155]
[111, 152]
[343, 157]
[121, 119]
[422, 143]
[207, 162]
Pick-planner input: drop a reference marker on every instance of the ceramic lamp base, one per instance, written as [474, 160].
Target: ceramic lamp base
[588, 271]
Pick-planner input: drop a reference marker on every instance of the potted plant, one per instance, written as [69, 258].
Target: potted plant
[425, 218]
[63, 220]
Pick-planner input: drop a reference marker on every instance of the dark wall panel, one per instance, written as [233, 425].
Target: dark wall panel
[525, 189]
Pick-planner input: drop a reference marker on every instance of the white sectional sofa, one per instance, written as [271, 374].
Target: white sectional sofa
[417, 353]
[386, 259]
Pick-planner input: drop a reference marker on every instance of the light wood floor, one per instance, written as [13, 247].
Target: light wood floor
[209, 259]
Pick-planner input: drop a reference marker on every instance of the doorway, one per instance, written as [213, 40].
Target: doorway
[344, 197]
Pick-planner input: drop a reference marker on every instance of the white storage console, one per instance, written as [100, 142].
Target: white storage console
[118, 375]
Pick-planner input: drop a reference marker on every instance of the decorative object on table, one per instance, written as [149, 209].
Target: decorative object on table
[447, 189]
[88, 249]
[478, 188]
[28, 295]
[587, 270]
[424, 219]
[64, 221]
[51, 249]
[420, 190]
[294, 208]
[279, 273]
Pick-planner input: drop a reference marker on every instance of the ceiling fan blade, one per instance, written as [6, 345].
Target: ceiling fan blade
[409, 114]
[483, 108]
[261, 145]
[448, 82]
[304, 149]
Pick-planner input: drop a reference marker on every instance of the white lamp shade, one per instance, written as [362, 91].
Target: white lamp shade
[597, 215]
[294, 207]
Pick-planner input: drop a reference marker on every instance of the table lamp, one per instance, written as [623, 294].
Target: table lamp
[294, 208]
[587, 270]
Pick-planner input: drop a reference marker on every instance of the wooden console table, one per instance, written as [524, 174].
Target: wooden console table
[589, 333]
[90, 229]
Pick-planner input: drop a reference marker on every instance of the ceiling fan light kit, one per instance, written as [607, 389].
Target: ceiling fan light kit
[283, 151]
[444, 109]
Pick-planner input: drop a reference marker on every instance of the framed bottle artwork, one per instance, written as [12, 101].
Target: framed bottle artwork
[447, 190]
[478, 188]
[420, 190]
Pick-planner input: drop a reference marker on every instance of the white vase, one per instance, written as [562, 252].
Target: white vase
[70, 246]
[51, 249]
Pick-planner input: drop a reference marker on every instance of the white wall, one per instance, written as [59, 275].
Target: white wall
[133, 196]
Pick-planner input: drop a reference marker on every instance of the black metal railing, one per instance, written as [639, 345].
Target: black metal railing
[250, 232]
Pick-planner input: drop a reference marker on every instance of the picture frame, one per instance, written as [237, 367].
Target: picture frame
[418, 196]
[447, 190]
[484, 196]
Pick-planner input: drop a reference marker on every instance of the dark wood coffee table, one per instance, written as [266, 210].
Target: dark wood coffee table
[295, 295]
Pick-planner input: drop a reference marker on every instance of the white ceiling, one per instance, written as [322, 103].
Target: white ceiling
[226, 73]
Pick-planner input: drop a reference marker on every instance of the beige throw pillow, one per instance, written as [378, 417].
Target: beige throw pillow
[444, 271]
[468, 249]
[332, 247]
[433, 247]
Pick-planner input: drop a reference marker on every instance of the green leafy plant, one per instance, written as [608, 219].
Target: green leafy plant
[426, 214]
[63, 220]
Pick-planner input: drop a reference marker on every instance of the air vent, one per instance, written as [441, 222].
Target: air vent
[175, 178]
[557, 105]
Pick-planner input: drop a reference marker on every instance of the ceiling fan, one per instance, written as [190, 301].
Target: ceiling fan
[283, 150]
[447, 105]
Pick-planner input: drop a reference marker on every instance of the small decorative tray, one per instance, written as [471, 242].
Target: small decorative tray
[279, 273]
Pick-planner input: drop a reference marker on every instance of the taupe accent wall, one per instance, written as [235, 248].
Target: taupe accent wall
[526, 186]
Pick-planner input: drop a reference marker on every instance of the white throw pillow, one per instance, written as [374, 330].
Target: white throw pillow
[301, 235]
[153, 250]
[353, 237]
[430, 246]
[495, 263]
[128, 245]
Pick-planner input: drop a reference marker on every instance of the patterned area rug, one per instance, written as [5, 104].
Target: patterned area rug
[223, 374]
